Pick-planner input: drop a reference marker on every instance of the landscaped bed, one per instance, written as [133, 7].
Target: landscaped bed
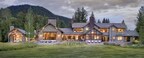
[73, 50]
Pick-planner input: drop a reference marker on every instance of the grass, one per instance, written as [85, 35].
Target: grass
[15, 46]
[74, 51]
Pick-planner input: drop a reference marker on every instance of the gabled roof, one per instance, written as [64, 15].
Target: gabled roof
[20, 30]
[77, 25]
[50, 28]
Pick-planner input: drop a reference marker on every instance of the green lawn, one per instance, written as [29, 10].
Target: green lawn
[74, 51]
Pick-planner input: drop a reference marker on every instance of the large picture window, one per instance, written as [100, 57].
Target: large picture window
[49, 36]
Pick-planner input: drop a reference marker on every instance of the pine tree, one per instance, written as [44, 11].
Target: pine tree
[140, 25]
[83, 15]
[80, 15]
[104, 20]
[108, 21]
[99, 21]
[29, 27]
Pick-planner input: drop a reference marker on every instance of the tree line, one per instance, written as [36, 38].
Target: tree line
[28, 21]
[81, 14]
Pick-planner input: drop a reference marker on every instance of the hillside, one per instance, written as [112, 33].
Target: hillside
[37, 10]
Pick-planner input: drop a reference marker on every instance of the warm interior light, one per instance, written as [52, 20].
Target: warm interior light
[92, 32]
[59, 35]
[119, 37]
[87, 28]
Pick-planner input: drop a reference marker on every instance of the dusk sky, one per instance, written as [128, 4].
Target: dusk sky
[115, 10]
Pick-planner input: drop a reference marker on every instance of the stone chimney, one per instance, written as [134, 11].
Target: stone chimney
[11, 28]
[52, 21]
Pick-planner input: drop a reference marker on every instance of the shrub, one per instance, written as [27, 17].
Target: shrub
[135, 42]
[135, 46]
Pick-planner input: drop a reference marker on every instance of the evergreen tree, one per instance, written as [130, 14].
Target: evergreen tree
[61, 24]
[108, 21]
[80, 15]
[6, 22]
[29, 27]
[140, 25]
[83, 15]
[99, 21]
[104, 20]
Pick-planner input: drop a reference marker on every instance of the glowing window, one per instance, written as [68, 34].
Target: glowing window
[104, 30]
[87, 28]
[119, 37]
[78, 29]
[113, 37]
[120, 30]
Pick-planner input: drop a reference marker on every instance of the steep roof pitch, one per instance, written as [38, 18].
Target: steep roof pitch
[20, 30]
[50, 28]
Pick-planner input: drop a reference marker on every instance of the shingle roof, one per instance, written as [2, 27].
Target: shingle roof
[128, 33]
[49, 28]
[103, 25]
[66, 30]
[131, 33]
[70, 31]
[119, 25]
[107, 25]
[75, 25]
[21, 30]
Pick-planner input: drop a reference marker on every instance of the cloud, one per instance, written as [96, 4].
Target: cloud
[116, 10]
[128, 14]
[68, 8]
